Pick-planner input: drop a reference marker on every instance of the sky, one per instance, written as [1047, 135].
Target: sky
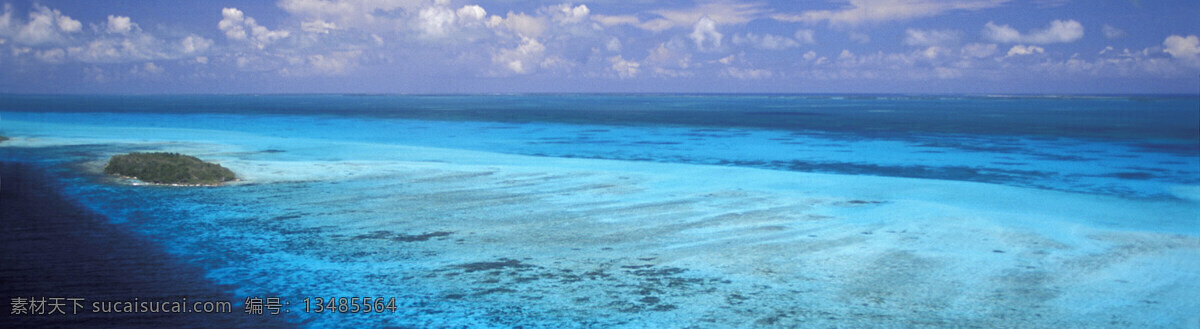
[511, 46]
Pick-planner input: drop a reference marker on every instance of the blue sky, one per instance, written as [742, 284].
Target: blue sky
[470, 46]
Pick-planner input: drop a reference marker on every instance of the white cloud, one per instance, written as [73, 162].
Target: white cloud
[54, 55]
[846, 55]
[231, 23]
[670, 58]
[1124, 63]
[66, 24]
[471, 12]
[1112, 33]
[525, 25]
[117, 39]
[564, 13]
[368, 15]
[1021, 50]
[614, 20]
[613, 45]
[979, 50]
[705, 34]
[623, 68]
[918, 37]
[317, 26]
[932, 53]
[436, 21]
[6, 20]
[1059, 31]
[152, 68]
[1182, 47]
[863, 11]
[765, 41]
[139, 47]
[237, 26]
[119, 24]
[194, 44]
[335, 63]
[523, 59]
[45, 26]
[805, 36]
[810, 55]
[746, 74]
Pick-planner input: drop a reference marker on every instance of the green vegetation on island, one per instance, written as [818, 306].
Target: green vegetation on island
[2, 138]
[168, 168]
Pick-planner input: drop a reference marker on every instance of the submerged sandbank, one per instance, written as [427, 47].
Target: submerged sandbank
[633, 244]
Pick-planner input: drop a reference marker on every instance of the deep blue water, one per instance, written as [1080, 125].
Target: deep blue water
[71, 232]
[1147, 118]
[53, 247]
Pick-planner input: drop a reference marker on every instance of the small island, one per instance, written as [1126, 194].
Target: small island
[168, 168]
[2, 139]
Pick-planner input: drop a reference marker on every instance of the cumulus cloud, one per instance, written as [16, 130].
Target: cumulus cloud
[746, 73]
[443, 23]
[523, 59]
[57, 38]
[979, 50]
[471, 12]
[670, 58]
[805, 36]
[525, 25]
[436, 21]
[857, 12]
[119, 24]
[1059, 31]
[565, 13]
[374, 16]
[55, 55]
[765, 41]
[613, 45]
[333, 63]
[150, 67]
[1182, 47]
[918, 37]
[194, 44]
[317, 26]
[239, 27]
[846, 55]
[705, 34]
[1021, 50]
[624, 68]
[1112, 33]
[45, 26]
[139, 47]
[614, 20]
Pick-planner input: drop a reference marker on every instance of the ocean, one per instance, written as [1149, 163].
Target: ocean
[633, 211]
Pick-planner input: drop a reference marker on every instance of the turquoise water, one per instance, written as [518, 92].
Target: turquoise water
[1134, 147]
[660, 210]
